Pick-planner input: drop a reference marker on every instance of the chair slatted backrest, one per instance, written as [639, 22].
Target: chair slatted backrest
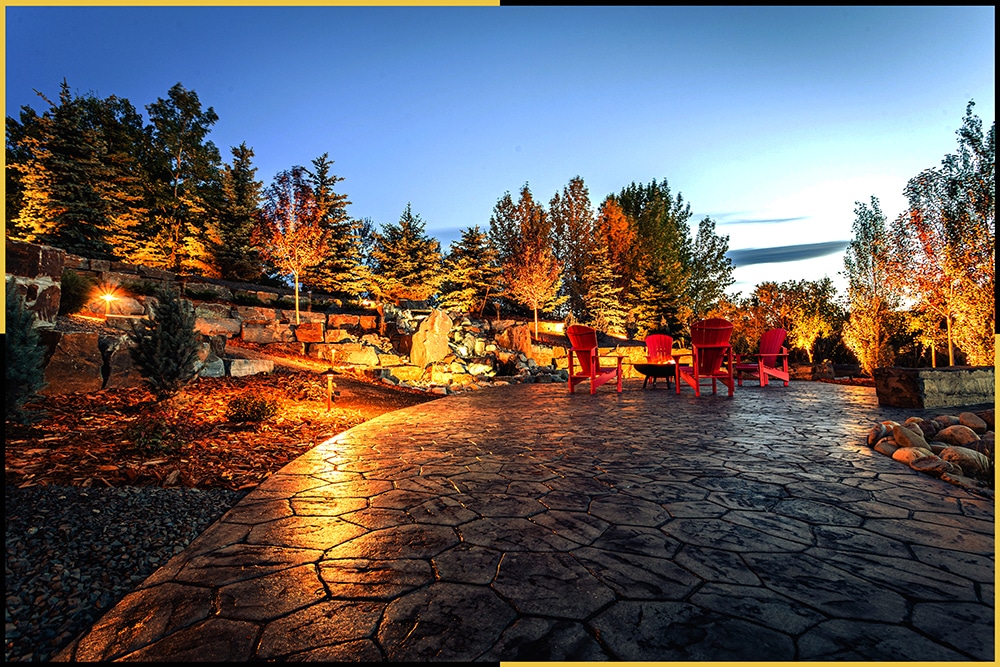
[714, 331]
[659, 348]
[584, 340]
[770, 345]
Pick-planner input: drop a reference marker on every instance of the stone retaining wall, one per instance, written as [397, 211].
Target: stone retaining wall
[952, 386]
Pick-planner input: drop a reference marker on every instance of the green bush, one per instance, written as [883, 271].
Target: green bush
[165, 347]
[75, 292]
[152, 435]
[244, 299]
[142, 287]
[251, 407]
[25, 358]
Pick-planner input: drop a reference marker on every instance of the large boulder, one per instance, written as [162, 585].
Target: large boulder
[923, 388]
[74, 364]
[430, 342]
[516, 338]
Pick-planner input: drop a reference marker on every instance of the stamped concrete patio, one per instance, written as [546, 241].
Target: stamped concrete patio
[525, 523]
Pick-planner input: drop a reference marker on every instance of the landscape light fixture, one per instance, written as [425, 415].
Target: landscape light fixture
[108, 298]
[329, 373]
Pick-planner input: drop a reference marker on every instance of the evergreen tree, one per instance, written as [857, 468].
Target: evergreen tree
[165, 347]
[660, 259]
[186, 176]
[407, 261]
[573, 226]
[18, 153]
[339, 273]
[241, 197]
[471, 273]
[25, 355]
[711, 270]
[603, 307]
[124, 186]
[61, 204]
[522, 235]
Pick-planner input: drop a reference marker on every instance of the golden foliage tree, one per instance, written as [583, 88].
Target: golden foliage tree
[289, 234]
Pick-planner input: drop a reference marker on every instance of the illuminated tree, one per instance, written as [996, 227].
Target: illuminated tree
[602, 304]
[289, 234]
[407, 262]
[471, 273]
[871, 296]
[533, 279]
[572, 219]
[522, 236]
[60, 181]
[340, 272]
[185, 173]
[946, 243]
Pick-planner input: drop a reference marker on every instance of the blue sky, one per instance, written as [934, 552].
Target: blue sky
[773, 121]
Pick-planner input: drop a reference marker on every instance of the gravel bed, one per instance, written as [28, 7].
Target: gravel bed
[73, 552]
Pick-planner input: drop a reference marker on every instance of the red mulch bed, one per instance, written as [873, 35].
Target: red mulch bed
[123, 437]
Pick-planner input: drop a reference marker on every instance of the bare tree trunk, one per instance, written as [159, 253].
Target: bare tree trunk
[295, 277]
[951, 345]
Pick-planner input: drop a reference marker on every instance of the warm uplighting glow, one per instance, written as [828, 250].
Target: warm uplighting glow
[108, 296]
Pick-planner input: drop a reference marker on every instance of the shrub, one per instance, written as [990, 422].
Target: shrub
[152, 435]
[244, 299]
[75, 292]
[166, 346]
[25, 358]
[142, 287]
[251, 407]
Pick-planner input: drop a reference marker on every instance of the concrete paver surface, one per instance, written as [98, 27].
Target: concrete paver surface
[527, 523]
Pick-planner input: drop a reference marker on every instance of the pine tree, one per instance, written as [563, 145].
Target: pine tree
[711, 271]
[241, 196]
[165, 347]
[24, 357]
[186, 175]
[573, 226]
[660, 261]
[407, 261]
[471, 273]
[339, 273]
[61, 202]
[603, 307]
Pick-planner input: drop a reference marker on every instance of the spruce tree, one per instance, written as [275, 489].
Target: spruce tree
[166, 346]
[61, 180]
[235, 255]
[407, 261]
[25, 356]
[340, 271]
[471, 273]
[604, 309]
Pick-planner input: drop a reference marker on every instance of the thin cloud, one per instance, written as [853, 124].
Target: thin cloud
[764, 221]
[788, 253]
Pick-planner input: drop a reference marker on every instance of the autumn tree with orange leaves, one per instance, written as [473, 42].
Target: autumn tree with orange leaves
[945, 259]
[289, 234]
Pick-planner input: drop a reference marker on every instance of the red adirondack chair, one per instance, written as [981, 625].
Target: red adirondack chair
[659, 359]
[766, 362]
[583, 340]
[710, 349]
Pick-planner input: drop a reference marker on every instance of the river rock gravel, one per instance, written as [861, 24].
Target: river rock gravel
[73, 552]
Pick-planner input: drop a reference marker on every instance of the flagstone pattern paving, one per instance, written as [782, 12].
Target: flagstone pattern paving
[527, 523]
